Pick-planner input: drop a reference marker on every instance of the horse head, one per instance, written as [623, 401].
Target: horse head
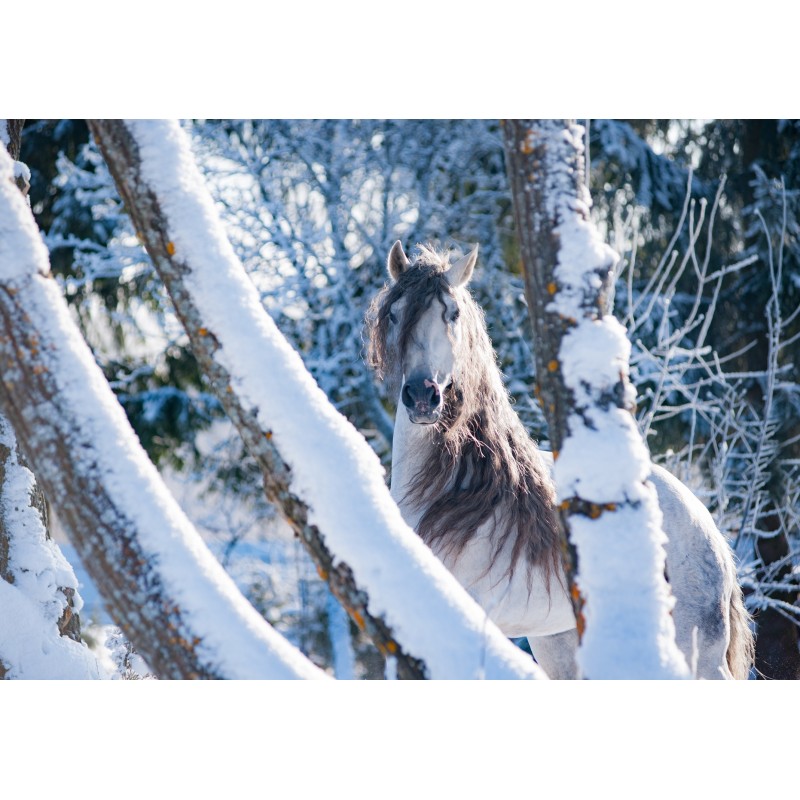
[424, 327]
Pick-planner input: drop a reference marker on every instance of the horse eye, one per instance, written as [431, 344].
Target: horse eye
[392, 318]
[455, 315]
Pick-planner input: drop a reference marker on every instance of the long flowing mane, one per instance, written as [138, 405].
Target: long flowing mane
[484, 466]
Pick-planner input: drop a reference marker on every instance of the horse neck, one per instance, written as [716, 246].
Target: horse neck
[411, 445]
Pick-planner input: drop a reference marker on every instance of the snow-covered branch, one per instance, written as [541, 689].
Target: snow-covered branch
[320, 473]
[161, 584]
[39, 627]
[601, 463]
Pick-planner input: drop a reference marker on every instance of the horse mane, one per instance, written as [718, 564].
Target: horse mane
[484, 466]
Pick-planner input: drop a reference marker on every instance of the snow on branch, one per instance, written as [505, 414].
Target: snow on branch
[317, 469]
[160, 582]
[38, 588]
[601, 463]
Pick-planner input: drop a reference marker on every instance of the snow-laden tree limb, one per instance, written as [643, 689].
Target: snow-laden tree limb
[317, 469]
[609, 511]
[160, 583]
[39, 625]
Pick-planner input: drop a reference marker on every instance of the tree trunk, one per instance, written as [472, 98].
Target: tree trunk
[12, 463]
[581, 369]
[777, 651]
[172, 243]
[161, 585]
[13, 130]
[539, 247]
[778, 635]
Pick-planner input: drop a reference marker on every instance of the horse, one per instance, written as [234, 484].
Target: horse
[472, 483]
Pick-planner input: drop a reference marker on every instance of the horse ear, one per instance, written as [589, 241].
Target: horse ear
[460, 272]
[397, 263]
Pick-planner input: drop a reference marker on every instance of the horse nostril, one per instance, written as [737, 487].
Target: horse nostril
[433, 395]
[421, 393]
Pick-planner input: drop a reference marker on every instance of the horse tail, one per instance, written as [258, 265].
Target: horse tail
[741, 647]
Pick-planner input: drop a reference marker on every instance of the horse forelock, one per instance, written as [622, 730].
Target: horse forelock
[419, 286]
[484, 466]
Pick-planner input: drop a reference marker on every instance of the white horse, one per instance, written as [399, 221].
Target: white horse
[468, 478]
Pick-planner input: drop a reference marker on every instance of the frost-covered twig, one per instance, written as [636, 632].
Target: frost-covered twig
[601, 464]
[320, 473]
[736, 419]
[160, 583]
[312, 205]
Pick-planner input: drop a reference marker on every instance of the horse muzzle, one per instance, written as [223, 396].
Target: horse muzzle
[422, 398]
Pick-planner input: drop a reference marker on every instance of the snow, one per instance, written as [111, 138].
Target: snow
[594, 358]
[35, 561]
[599, 348]
[579, 245]
[590, 464]
[603, 459]
[31, 646]
[333, 468]
[122, 662]
[235, 640]
[629, 632]
[22, 171]
[30, 643]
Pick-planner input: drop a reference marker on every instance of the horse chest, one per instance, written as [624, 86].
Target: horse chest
[516, 608]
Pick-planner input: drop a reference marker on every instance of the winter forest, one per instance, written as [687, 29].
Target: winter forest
[199, 408]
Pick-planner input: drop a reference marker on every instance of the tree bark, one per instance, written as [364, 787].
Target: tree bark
[14, 129]
[530, 180]
[777, 651]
